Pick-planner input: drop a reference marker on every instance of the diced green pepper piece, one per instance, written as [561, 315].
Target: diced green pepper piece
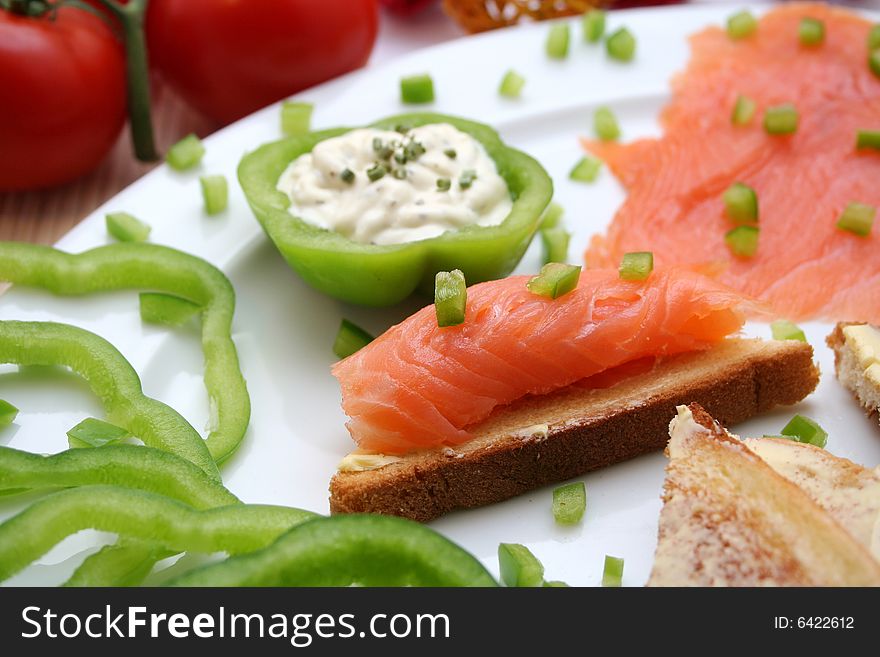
[349, 339]
[621, 45]
[743, 110]
[166, 309]
[874, 62]
[741, 203]
[557, 41]
[857, 218]
[781, 120]
[811, 32]
[805, 430]
[593, 23]
[868, 139]
[519, 567]
[92, 432]
[586, 170]
[555, 280]
[605, 124]
[785, 330]
[296, 117]
[8, 413]
[555, 242]
[743, 241]
[874, 37]
[511, 84]
[127, 228]
[186, 153]
[552, 216]
[612, 575]
[417, 89]
[569, 503]
[215, 192]
[636, 266]
[450, 297]
[741, 25]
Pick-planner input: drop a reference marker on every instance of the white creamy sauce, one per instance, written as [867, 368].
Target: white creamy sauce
[406, 203]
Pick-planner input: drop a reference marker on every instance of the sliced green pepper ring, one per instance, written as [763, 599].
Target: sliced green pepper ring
[375, 275]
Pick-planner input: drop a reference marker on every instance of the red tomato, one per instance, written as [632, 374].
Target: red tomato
[405, 7]
[63, 89]
[230, 58]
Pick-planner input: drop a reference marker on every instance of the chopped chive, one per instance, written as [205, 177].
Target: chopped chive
[8, 413]
[511, 84]
[555, 242]
[350, 338]
[215, 193]
[743, 110]
[874, 62]
[519, 567]
[450, 153]
[612, 575]
[636, 266]
[347, 176]
[296, 117]
[741, 25]
[586, 170]
[621, 45]
[127, 228]
[402, 128]
[92, 432]
[783, 329]
[552, 215]
[857, 218]
[186, 153]
[376, 172]
[468, 176]
[605, 124]
[417, 89]
[868, 139]
[413, 150]
[593, 23]
[450, 297]
[166, 309]
[742, 241]
[874, 38]
[443, 184]
[741, 203]
[811, 32]
[555, 280]
[557, 41]
[377, 144]
[805, 430]
[555, 584]
[781, 120]
[569, 503]
[399, 174]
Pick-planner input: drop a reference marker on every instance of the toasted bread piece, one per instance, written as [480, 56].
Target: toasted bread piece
[540, 440]
[852, 370]
[729, 519]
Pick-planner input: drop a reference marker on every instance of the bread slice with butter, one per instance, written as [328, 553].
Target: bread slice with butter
[544, 439]
[732, 518]
[857, 361]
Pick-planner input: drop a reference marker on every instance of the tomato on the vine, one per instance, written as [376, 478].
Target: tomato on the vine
[230, 58]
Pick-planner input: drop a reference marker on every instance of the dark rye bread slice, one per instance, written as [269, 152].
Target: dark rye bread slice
[585, 430]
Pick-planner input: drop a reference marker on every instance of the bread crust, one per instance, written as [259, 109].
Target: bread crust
[585, 430]
[848, 371]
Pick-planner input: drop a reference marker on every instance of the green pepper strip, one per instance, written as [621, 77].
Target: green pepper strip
[366, 550]
[127, 563]
[134, 514]
[162, 269]
[111, 378]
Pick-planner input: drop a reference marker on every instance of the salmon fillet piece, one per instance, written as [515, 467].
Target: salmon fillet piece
[805, 266]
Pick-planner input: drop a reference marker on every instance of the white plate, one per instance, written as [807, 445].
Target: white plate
[284, 329]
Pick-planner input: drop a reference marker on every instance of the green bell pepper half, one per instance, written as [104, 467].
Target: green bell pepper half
[374, 275]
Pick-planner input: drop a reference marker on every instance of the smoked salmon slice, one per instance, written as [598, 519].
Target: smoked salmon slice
[419, 386]
[805, 266]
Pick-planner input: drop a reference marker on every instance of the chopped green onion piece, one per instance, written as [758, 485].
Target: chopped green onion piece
[166, 309]
[621, 45]
[296, 117]
[127, 228]
[605, 124]
[450, 153]
[443, 184]
[555, 280]
[742, 241]
[868, 139]
[376, 172]
[569, 503]
[811, 32]
[92, 432]
[519, 567]
[347, 176]
[874, 62]
[186, 153]
[511, 84]
[781, 120]
[741, 203]
[552, 215]
[400, 174]
[636, 266]
[555, 584]
[874, 38]
[743, 110]
[594, 25]
[8, 413]
[741, 25]
[857, 218]
[450, 297]
[555, 241]
[215, 193]
[805, 430]
[417, 89]
[586, 170]
[557, 41]
[468, 176]
[785, 330]
[612, 575]
[349, 339]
